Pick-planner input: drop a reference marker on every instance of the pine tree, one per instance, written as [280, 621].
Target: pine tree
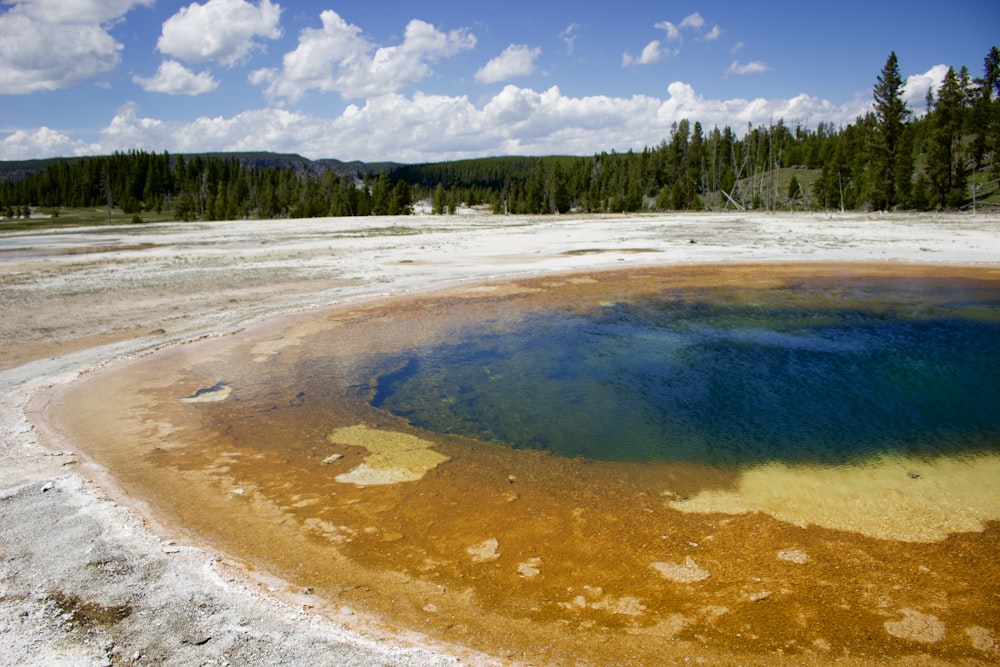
[944, 164]
[793, 190]
[380, 195]
[558, 190]
[904, 167]
[535, 190]
[184, 207]
[985, 116]
[695, 166]
[438, 201]
[891, 114]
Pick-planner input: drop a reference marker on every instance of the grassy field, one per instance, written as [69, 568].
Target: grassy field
[46, 218]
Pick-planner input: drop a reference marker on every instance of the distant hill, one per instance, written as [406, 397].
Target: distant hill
[16, 170]
[488, 172]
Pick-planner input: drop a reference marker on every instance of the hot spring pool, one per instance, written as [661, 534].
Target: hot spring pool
[672, 459]
[715, 379]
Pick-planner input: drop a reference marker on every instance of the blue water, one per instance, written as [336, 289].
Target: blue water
[721, 382]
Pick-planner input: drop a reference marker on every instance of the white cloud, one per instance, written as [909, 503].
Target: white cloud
[422, 128]
[50, 44]
[516, 60]
[219, 30]
[312, 65]
[737, 46]
[175, 79]
[128, 131]
[712, 34]
[916, 86]
[651, 53]
[803, 109]
[654, 52]
[693, 21]
[673, 32]
[752, 67]
[43, 142]
[337, 58]
[77, 11]
[569, 36]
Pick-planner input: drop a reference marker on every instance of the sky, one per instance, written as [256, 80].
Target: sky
[439, 80]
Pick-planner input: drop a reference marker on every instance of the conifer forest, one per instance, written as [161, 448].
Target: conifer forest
[943, 156]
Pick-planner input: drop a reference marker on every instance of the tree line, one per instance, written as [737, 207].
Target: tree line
[889, 159]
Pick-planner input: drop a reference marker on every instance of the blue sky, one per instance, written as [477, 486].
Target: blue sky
[444, 79]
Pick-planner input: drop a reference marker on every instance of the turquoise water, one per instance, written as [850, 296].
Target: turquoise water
[722, 380]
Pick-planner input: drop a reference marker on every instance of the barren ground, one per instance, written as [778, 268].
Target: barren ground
[87, 579]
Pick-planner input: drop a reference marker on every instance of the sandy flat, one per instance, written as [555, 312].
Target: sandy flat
[85, 579]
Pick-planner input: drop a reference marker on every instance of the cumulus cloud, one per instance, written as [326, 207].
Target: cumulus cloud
[337, 58]
[712, 34]
[426, 128]
[654, 51]
[516, 60]
[693, 21]
[916, 86]
[43, 142]
[673, 32]
[684, 102]
[650, 54]
[175, 79]
[78, 11]
[52, 44]
[752, 67]
[127, 131]
[219, 30]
